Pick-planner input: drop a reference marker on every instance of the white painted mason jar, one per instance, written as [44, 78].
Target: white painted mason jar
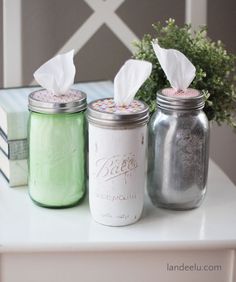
[117, 161]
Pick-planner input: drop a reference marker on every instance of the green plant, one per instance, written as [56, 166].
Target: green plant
[215, 68]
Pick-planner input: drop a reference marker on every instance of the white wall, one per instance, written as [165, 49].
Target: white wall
[223, 149]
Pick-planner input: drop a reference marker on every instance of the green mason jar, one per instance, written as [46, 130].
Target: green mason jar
[57, 148]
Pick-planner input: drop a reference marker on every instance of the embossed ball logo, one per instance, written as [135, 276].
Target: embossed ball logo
[115, 166]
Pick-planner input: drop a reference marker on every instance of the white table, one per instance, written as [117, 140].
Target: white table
[43, 245]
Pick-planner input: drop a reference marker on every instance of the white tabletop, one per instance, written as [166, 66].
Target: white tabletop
[27, 227]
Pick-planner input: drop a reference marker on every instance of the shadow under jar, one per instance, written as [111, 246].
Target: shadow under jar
[57, 147]
[178, 150]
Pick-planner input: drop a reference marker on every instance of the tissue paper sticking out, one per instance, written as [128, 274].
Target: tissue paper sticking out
[179, 71]
[58, 74]
[129, 79]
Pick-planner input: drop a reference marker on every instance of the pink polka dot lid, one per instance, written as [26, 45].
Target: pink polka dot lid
[188, 93]
[170, 98]
[106, 112]
[44, 101]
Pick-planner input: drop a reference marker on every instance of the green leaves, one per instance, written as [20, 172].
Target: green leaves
[215, 68]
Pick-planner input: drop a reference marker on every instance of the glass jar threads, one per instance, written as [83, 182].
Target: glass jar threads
[117, 161]
[178, 150]
[57, 148]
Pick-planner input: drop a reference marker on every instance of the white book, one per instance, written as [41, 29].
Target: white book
[3, 144]
[14, 149]
[14, 112]
[15, 171]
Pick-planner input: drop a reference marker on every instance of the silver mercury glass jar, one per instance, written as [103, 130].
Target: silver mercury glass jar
[178, 150]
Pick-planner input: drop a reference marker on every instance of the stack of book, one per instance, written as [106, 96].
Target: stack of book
[13, 134]
[13, 127]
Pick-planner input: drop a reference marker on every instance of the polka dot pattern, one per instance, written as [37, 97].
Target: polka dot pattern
[49, 97]
[108, 106]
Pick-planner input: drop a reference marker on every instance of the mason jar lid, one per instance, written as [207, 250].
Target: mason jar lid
[104, 112]
[190, 99]
[43, 101]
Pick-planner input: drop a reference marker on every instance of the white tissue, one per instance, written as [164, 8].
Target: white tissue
[129, 79]
[58, 74]
[179, 71]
